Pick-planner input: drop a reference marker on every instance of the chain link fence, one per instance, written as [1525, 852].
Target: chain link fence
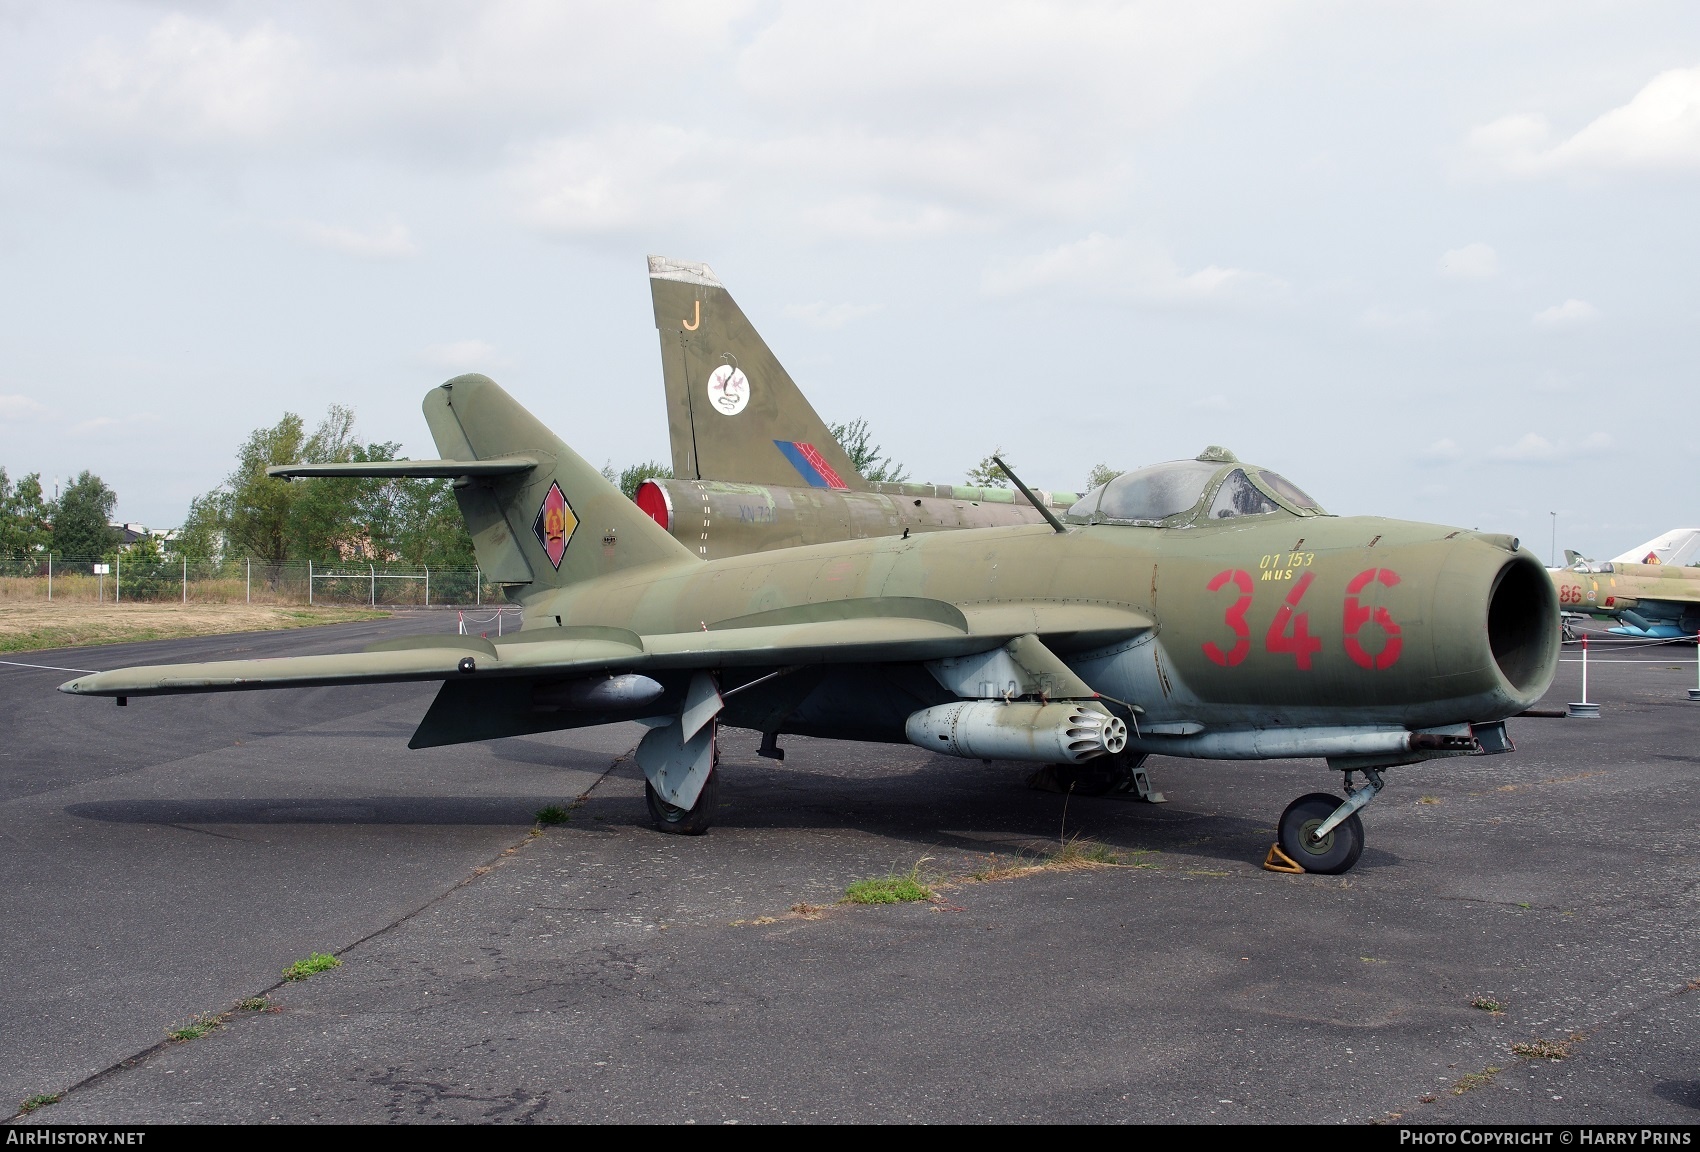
[243, 582]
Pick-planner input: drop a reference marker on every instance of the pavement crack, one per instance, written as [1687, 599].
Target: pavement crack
[136, 1059]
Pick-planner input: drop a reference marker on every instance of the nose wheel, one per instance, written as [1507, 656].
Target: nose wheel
[1336, 850]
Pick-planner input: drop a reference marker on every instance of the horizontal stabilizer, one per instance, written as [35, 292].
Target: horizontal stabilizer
[410, 469]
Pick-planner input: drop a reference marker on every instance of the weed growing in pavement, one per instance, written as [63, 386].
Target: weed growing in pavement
[553, 814]
[253, 1004]
[1474, 1080]
[1543, 1049]
[1076, 854]
[196, 1028]
[312, 966]
[39, 1101]
[1488, 1004]
[892, 889]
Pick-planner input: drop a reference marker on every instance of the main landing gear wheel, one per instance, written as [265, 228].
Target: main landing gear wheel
[692, 821]
[1334, 853]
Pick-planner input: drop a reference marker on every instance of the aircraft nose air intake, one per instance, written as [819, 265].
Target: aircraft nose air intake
[1523, 624]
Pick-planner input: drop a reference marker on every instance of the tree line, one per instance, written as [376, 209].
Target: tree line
[252, 516]
[75, 523]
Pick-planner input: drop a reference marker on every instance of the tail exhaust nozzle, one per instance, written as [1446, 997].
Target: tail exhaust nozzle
[994, 730]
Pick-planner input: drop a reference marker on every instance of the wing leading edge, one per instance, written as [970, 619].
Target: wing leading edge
[918, 635]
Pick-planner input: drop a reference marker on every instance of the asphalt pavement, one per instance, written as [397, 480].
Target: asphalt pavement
[165, 861]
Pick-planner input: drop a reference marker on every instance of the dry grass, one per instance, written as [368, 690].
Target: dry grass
[1473, 1080]
[1544, 1049]
[36, 625]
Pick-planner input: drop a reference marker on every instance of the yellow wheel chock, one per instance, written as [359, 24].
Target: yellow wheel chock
[1279, 861]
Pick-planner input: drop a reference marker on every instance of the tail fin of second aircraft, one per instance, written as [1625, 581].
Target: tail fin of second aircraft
[554, 523]
[733, 411]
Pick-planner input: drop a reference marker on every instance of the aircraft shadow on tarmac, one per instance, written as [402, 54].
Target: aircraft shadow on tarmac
[1683, 1092]
[514, 810]
[934, 805]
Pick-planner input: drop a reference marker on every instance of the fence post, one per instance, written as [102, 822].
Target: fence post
[427, 585]
[50, 575]
[309, 583]
[185, 579]
[478, 587]
[372, 568]
[249, 586]
[118, 578]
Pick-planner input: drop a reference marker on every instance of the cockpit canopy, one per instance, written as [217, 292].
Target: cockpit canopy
[1215, 486]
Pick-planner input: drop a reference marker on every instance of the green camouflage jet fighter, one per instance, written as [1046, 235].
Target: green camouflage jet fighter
[754, 467]
[1651, 591]
[1201, 608]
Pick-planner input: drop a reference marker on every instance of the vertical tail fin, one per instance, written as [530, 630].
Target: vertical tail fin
[732, 410]
[557, 523]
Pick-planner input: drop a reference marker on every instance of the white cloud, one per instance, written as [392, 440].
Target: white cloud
[1385, 320]
[460, 355]
[1471, 262]
[107, 426]
[1531, 449]
[1566, 315]
[17, 409]
[621, 179]
[830, 316]
[392, 241]
[191, 81]
[1131, 267]
[1442, 451]
[1659, 128]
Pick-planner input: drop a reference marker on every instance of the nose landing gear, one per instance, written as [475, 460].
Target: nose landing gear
[1322, 833]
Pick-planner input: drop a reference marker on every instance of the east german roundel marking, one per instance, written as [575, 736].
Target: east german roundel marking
[555, 525]
[728, 390]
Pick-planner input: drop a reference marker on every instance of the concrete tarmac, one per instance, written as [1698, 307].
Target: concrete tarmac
[168, 859]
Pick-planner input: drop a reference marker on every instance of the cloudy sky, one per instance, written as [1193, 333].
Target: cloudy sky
[1431, 260]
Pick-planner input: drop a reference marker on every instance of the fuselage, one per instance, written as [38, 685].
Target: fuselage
[1259, 623]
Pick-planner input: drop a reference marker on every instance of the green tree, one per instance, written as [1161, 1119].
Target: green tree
[1101, 474]
[986, 474]
[25, 516]
[631, 479]
[428, 526]
[201, 536]
[869, 458]
[82, 519]
[145, 572]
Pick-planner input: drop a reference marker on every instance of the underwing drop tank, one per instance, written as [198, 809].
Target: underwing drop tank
[1065, 733]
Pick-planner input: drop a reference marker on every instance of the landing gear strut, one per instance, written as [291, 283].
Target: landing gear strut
[1322, 833]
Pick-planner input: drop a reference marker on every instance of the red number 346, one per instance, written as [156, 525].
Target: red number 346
[1289, 631]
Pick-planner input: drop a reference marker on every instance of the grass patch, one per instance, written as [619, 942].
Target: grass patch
[41, 1100]
[553, 814]
[1473, 1080]
[807, 911]
[26, 627]
[253, 1004]
[195, 1029]
[1428, 799]
[1488, 1004]
[1543, 1049]
[312, 966]
[895, 888]
[1078, 855]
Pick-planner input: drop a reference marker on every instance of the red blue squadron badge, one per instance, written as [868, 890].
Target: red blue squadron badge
[555, 525]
